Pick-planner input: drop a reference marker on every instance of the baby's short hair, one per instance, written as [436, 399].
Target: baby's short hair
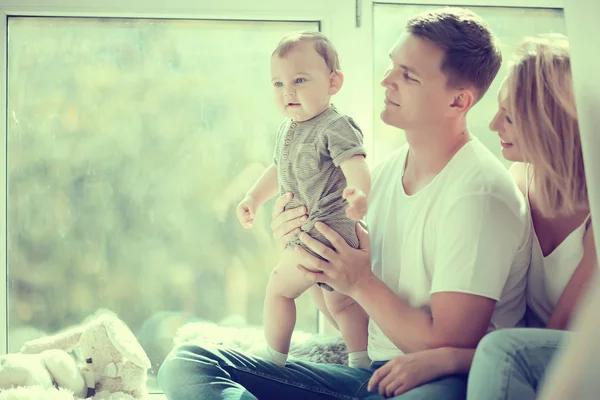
[323, 46]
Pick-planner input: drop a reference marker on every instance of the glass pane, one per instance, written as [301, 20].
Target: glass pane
[130, 143]
[509, 24]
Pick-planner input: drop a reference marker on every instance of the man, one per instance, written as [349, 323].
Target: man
[449, 235]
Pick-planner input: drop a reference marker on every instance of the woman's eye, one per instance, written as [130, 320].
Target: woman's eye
[300, 80]
[278, 84]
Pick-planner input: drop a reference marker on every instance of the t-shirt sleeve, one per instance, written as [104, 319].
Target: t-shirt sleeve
[478, 238]
[344, 139]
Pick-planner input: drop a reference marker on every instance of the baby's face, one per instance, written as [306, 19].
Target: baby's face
[301, 82]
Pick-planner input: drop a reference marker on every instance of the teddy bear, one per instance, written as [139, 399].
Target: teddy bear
[43, 369]
[112, 359]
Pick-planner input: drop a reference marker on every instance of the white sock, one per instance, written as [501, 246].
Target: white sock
[277, 357]
[272, 355]
[359, 359]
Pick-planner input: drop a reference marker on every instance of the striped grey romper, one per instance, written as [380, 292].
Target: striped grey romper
[307, 156]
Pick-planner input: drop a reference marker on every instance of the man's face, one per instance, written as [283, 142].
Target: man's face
[301, 82]
[417, 96]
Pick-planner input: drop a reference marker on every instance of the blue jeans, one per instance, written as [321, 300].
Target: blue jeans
[192, 372]
[510, 363]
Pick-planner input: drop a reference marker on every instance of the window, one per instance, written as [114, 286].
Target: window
[130, 142]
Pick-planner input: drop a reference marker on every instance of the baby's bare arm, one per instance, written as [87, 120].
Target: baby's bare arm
[357, 173]
[266, 187]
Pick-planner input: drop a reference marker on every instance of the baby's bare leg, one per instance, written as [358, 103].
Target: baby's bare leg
[317, 294]
[352, 322]
[285, 285]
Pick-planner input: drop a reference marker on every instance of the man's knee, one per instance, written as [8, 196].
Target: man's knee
[184, 360]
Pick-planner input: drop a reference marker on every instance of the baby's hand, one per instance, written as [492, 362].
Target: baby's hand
[246, 211]
[357, 203]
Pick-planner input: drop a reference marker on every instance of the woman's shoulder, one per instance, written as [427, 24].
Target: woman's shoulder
[519, 174]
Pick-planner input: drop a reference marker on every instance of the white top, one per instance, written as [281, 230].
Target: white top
[548, 276]
[467, 231]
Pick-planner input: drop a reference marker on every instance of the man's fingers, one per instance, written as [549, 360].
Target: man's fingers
[313, 276]
[286, 217]
[364, 241]
[316, 247]
[386, 383]
[334, 238]
[289, 227]
[400, 389]
[393, 387]
[280, 204]
[377, 377]
[285, 239]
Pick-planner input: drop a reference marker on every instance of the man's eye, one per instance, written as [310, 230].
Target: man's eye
[300, 80]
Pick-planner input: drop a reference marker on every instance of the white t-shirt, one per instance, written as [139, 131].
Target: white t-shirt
[466, 231]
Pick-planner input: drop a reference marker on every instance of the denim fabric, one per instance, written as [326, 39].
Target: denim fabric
[193, 372]
[510, 363]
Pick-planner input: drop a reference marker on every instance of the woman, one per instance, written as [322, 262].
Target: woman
[537, 123]
[538, 129]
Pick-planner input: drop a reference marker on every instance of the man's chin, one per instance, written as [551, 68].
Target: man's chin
[391, 120]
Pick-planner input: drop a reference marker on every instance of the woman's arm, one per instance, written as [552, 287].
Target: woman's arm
[577, 285]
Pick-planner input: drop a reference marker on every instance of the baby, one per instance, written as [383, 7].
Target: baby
[319, 157]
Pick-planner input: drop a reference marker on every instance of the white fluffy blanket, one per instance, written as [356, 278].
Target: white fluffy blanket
[40, 393]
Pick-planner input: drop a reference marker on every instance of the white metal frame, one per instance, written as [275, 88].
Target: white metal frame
[481, 3]
[352, 36]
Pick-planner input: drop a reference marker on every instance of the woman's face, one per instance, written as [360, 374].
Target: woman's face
[502, 123]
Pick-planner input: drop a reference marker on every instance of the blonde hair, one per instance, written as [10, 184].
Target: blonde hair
[542, 105]
[323, 46]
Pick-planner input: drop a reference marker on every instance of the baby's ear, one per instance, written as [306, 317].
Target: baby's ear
[336, 80]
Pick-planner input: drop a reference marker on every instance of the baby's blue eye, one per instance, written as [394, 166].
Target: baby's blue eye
[278, 84]
[300, 80]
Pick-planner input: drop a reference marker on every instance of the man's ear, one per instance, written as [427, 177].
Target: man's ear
[463, 101]
[336, 80]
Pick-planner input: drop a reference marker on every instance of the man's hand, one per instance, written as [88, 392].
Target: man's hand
[343, 268]
[409, 371]
[286, 224]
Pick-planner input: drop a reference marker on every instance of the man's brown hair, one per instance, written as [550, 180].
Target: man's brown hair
[471, 52]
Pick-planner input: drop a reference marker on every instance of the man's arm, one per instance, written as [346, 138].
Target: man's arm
[476, 246]
[456, 320]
